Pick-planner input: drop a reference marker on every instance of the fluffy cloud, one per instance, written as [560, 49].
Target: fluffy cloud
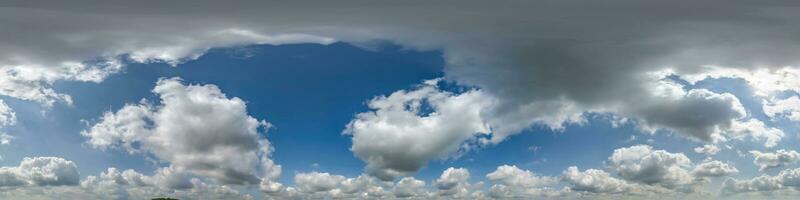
[320, 185]
[40, 171]
[755, 130]
[409, 187]
[7, 116]
[644, 165]
[777, 159]
[766, 82]
[514, 176]
[195, 128]
[513, 182]
[454, 182]
[786, 179]
[707, 149]
[398, 136]
[5, 138]
[789, 108]
[129, 184]
[595, 181]
[713, 168]
[317, 182]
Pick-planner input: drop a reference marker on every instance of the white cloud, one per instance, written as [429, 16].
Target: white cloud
[195, 128]
[409, 187]
[714, 168]
[595, 181]
[514, 176]
[644, 165]
[7, 116]
[40, 171]
[777, 159]
[317, 182]
[766, 82]
[5, 138]
[708, 149]
[513, 182]
[786, 179]
[398, 136]
[755, 130]
[454, 182]
[789, 108]
[129, 184]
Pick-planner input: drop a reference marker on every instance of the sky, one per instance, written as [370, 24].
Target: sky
[355, 99]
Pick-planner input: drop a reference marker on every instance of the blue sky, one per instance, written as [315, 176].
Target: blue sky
[401, 100]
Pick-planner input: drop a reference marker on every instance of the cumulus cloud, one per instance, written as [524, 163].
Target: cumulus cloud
[5, 138]
[195, 128]
[129, 184]
[512, 182]
[786, 179]
[769, 160]
[755, 130]
[714, 168]
[398, 136]
[789, 108]
[409, 187]
[454, 182]
[642, 164]
[40, 171]
[595, 181]
[7, 116]
[317, 182]
[708, 149]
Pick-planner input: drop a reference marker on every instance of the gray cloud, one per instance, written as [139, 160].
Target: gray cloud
[572, 57]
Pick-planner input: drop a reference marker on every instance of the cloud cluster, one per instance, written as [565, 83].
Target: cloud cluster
[7, 116]
[129, 184]
[575, 58]
[194, 128]
[644, 165]
[714, 168]
[639, 179]
[789, 108]
[597, 181]
[454, 182]
[786, 179]
[780, 158]
[708, 149]
[642, 171]
[40, 171]
[407, 128]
